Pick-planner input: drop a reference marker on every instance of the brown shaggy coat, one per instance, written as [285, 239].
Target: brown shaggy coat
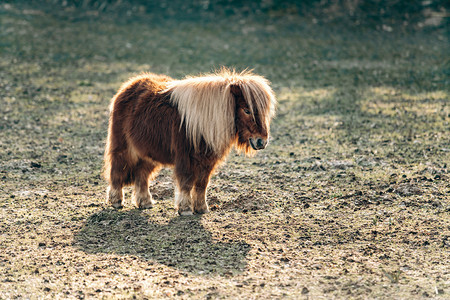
[189, 124]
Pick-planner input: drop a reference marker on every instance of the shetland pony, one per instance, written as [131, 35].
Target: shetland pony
[188, 124]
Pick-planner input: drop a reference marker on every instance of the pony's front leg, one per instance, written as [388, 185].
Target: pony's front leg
[199, 197]
[183, 201]
[199, 192]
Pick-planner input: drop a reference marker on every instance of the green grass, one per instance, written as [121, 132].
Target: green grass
[350, 199]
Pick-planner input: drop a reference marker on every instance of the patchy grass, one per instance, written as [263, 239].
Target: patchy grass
[350, 200]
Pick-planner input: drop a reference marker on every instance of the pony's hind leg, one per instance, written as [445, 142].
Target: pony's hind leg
[117, 177]
[143, 171]
[114, 196]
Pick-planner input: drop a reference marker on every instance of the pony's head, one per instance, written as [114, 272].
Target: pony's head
[225, 108]
[254, 109]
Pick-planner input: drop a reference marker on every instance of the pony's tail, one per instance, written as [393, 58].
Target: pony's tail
[106, 169]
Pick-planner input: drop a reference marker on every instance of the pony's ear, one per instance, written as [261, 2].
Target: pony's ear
[236, 91]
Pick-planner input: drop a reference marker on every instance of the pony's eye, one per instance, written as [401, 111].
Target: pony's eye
[247, 111]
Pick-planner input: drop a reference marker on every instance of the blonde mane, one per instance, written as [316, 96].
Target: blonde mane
[207, 106]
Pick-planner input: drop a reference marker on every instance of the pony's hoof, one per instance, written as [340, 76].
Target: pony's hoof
[144, 202]
[117, 205]
[145, 206]
[202, 211]
[185, 212]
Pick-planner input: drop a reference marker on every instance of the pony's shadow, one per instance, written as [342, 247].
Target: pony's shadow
[182, 243]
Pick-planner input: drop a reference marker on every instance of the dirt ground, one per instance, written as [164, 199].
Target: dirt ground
[349, 201]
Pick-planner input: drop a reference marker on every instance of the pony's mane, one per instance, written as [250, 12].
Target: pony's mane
[207, 106]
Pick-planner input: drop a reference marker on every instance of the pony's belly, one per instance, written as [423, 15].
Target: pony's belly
[161, 158]
[151, 152]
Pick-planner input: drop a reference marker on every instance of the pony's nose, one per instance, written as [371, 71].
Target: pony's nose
[260, 143]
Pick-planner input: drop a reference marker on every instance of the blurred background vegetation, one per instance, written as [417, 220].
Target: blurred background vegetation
[379, 14]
